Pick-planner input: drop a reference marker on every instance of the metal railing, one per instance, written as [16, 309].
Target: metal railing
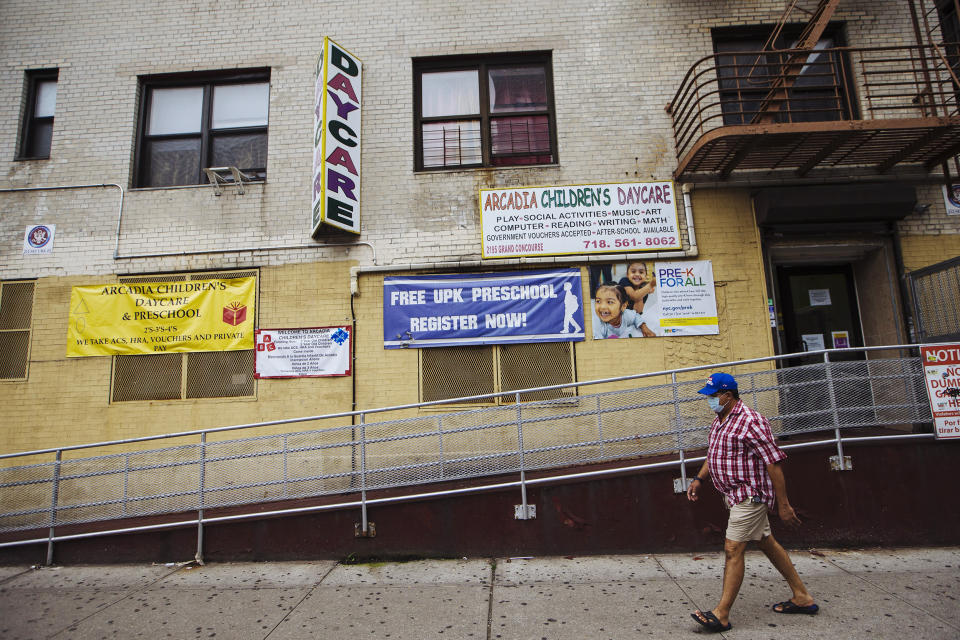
[789, 86]
[50, 488]
[935, 293]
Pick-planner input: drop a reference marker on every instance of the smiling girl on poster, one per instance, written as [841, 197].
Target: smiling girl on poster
[612, 318]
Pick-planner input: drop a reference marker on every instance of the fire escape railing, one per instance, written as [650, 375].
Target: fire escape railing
[802, 86]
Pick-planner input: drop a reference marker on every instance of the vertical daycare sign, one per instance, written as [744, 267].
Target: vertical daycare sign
[941, 373]
[161, 317]
[579, 219]
[336, 140]
[477, 309]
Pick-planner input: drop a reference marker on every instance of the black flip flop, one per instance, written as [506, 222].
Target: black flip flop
[712, 624]
[789, 606]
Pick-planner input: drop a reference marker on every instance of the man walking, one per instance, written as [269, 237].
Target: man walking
[744, 463]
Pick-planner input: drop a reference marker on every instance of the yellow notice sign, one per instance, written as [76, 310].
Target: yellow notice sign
[161, 317]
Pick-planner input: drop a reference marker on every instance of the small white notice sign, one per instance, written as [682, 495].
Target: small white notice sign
[812, 341]
[302, 353]
[820, 297]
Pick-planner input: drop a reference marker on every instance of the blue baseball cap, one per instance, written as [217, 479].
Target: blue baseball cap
[719, 382]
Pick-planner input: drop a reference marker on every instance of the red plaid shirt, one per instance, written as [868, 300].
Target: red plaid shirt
[740, 449]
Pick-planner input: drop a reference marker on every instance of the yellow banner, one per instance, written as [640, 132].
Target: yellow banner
[161, 317]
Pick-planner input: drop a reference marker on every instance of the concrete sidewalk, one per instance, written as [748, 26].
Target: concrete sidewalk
[874, 594]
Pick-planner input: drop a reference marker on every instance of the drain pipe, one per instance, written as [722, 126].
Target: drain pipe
[692, 252]
[686, 188]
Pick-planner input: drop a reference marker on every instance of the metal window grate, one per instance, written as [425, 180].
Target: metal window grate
[936, 301]
[538, 364]
[220, 374]
[147, 377]
[457, 372]
[16, 315]
[177, 376]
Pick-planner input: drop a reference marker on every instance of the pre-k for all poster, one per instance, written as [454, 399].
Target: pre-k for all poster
[640, 299]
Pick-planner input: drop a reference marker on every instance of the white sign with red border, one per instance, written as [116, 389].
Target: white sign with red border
[302, 353]
[941, 372]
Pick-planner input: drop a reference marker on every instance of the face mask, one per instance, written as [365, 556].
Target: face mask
[715, 404]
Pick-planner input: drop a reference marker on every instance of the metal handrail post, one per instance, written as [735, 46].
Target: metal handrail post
[53, 506]
[126, 482]
[523, 462]
[286, 474]
[443, 461]
[203, 471]
[831, 392]
[603, 444]
[676, 421]
[363, 474]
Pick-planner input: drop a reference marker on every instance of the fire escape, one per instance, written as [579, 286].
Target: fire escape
[812, 112]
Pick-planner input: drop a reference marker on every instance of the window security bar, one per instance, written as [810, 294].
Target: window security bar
[217, 178]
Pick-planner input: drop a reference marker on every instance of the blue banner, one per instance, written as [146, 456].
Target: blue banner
[482, 308]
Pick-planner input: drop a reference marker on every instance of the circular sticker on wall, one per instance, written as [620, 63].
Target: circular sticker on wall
[39, 236]
[38, 239]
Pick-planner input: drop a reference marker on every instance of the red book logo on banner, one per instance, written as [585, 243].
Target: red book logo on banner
[234, 313]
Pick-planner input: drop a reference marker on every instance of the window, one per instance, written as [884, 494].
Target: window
[454, 372]
[37, 130]
[16, 313]
[950, 29]
[490, 111]
[179, 376]
[196, 121]
[820, 90]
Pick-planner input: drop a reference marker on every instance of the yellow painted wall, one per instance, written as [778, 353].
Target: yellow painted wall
[924, 250]
[67, 401]
[726, 235]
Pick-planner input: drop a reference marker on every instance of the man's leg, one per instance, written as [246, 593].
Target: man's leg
[781, 560]
[732, 578]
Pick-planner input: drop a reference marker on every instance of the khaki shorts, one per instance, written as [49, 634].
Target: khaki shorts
[748, 521]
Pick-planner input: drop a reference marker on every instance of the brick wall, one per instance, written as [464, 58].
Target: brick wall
[615, 66]
[67, 400]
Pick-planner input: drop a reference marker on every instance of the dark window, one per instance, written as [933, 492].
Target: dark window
[484, 111]
[16, 323]
[37, 130]
[950, 28]
[458, 372]
[817, 87]
[196, 121]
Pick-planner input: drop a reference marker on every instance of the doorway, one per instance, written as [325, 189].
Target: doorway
[819, 310]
